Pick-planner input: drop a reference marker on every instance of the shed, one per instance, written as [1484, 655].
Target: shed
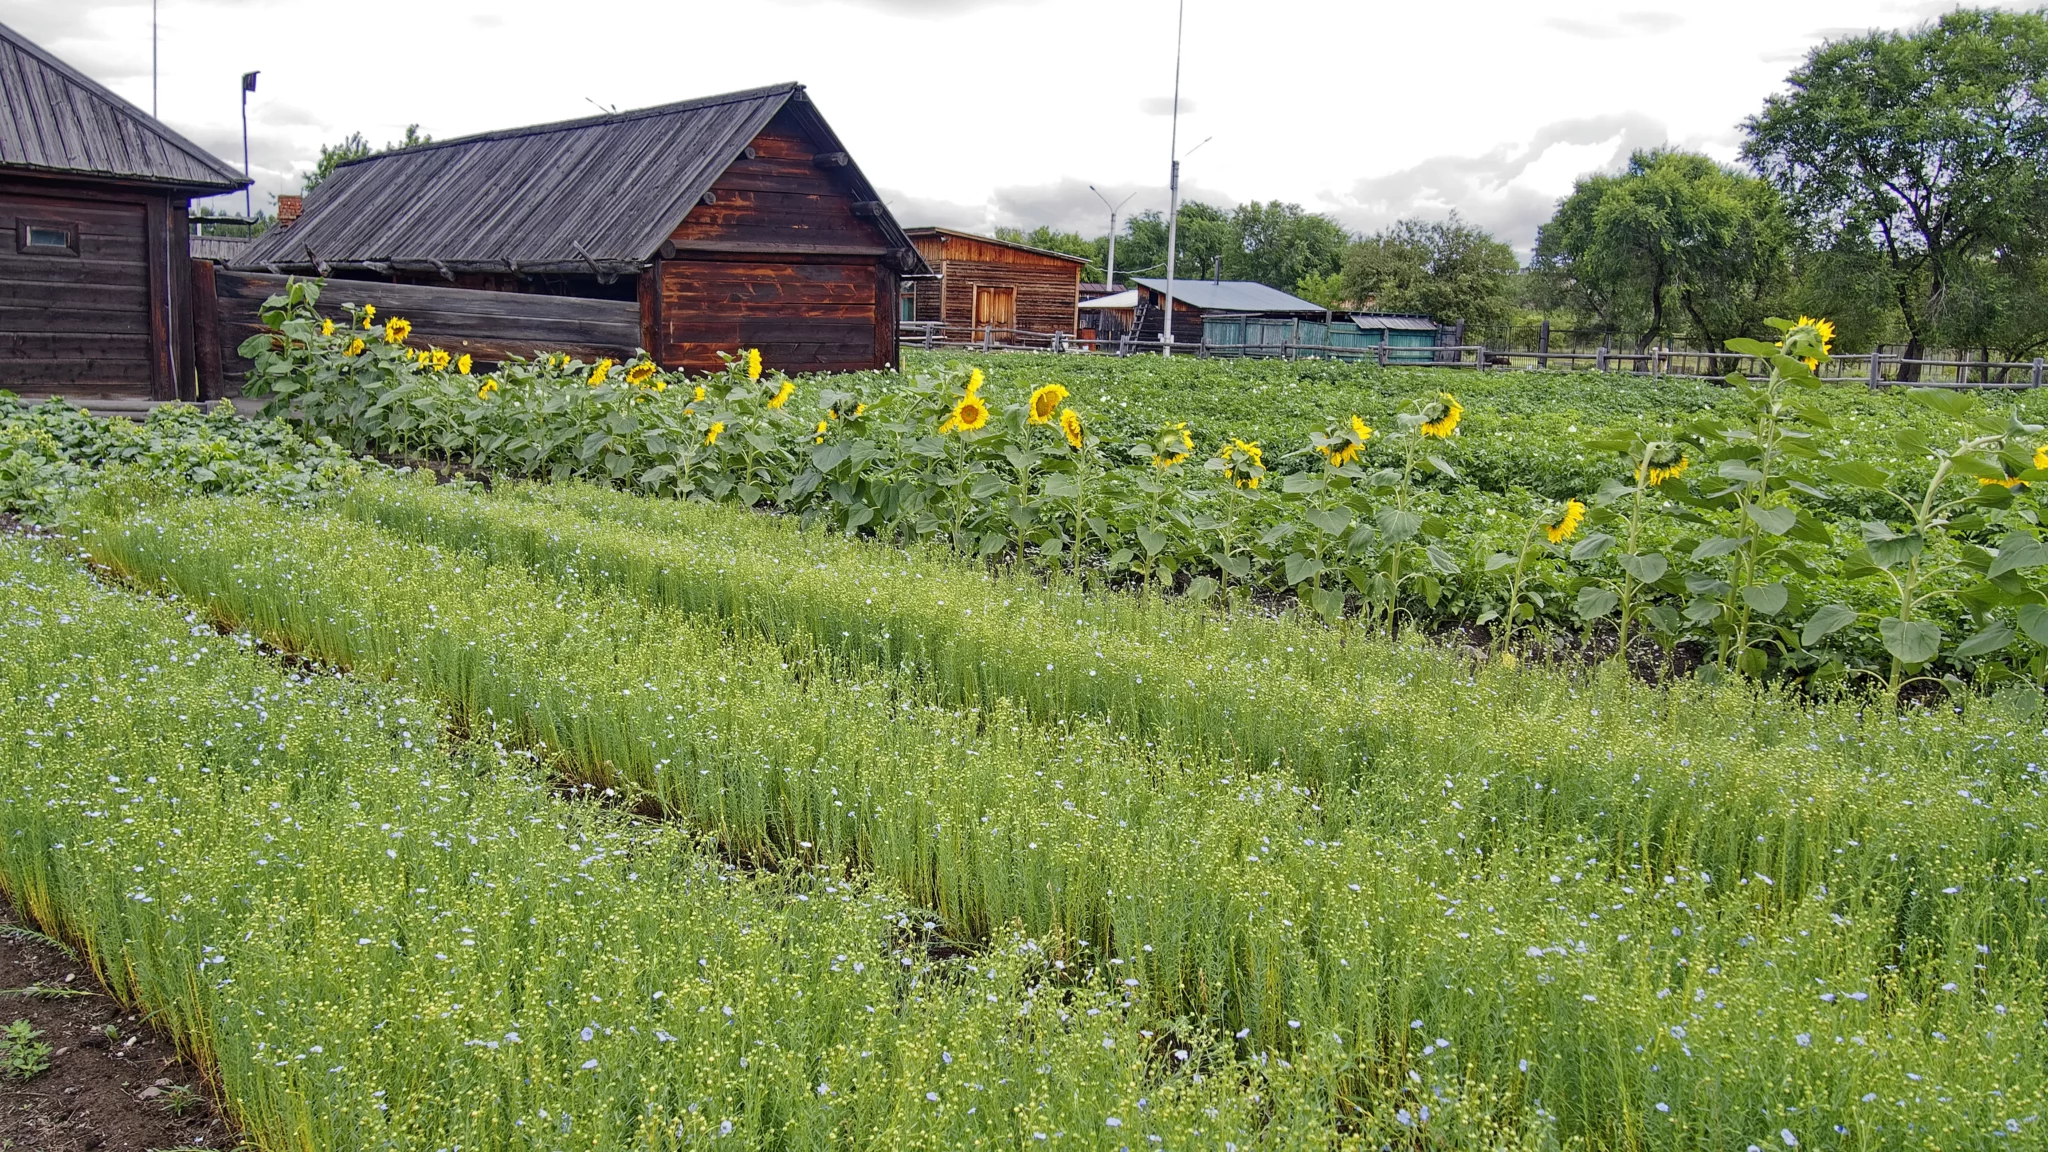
[984, 282]
[95, 270]
[1196, 300]
[1397, 330]
[733, 221]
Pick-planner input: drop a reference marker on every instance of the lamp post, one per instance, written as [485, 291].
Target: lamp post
[1111, 272]
[248, 86]
[1173, 188]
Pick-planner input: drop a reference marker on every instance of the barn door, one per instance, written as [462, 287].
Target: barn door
[994, 307]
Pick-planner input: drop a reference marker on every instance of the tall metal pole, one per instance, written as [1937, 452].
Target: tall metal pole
[1173, 188]
[248, 86]
[152, 57]
[1113, 209]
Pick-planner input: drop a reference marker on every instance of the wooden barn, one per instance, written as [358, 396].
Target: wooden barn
[96, 295]
[735, 221]
[983, 282]
[1195, 301]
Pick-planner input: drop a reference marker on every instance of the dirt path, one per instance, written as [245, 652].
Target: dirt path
[112, 1085]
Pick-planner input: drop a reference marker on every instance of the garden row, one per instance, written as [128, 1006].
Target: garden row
[375, 939]
[1558, 899]
[1776, 539]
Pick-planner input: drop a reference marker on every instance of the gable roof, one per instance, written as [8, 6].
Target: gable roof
[942, 233]
[1231, 296]
[54, 119]
[598, 194]
[1393, 322]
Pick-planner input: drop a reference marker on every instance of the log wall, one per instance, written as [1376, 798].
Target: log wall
[1048, 288]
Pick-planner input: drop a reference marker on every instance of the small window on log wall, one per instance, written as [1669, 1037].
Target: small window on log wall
[995, 307]
[46, 238]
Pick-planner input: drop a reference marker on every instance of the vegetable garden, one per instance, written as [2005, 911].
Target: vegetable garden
[951, 767]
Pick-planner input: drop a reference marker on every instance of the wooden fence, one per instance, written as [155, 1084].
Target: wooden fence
[490, 326]
[1875, 369]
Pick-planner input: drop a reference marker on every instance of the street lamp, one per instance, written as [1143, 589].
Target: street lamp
[1111, 277]
[1173, 187]
[248, 86]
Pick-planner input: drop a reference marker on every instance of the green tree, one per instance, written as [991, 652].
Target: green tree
[1447, 269]
[1279, 244]
[354, 146]
[1206, 235]
[1931, 146]
[1676, 242]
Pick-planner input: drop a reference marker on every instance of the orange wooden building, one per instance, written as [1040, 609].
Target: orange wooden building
[983, 282]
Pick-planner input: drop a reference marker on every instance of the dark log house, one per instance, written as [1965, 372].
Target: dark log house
[735, 221]
[96, 296]
[985, 282]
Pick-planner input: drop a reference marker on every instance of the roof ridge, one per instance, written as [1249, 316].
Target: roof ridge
[1017, 244]
[690, 105]
[146, 121]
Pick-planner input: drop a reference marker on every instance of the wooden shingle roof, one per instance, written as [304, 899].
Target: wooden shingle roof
[54, 119]
[598, 194]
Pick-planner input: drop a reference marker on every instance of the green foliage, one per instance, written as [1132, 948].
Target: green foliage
[1928, 147]
[51, 454]
[23, 1055]
[1275, 243]
[1448, 270]
[1676, 244]
[355, 146]
[1071, 243]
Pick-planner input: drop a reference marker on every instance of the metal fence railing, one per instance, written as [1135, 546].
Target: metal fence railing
[1877, 369]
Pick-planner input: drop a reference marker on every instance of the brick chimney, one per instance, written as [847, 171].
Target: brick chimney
[288, 209]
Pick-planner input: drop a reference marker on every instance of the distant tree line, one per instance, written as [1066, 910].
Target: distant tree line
[1899, 186]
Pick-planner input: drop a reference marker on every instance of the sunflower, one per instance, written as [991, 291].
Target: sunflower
[369, 314]
[1809, 340]
[396, 330]
[753, 364]
[859, 408]
[2006, 482]
[439, 360]
[2041, 457]
[711, 437]
[462, 363]
[639, 373]
[1240, 460]
[783, 394]
[355, 347]
[600, 370]
[1566, 523]
[327, 327]
[698, 398]
[974, 382]
[968, 415]
[1045, 403]
[820, 437]
[489, 389]
[1667, 461]
[1070, 424]
[1440, 416]
[1172, 446]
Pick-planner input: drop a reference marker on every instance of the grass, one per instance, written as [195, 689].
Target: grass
[1574, 909]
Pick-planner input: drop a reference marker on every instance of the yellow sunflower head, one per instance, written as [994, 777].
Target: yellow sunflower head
[974, 382]
[439, 360]
[489, 389]
[1243, 462]
[1565, 522]
[369, 314]
[599, 371]
[1070, 426]
[1440, 416]
[783, 394]
[1666, 461]
[753, 364]
[639, 373]
[819, 438]
[396, 330]
[1045, 403]
[355, 347]
[1809, 340]
[2041, 457]
[463, 363]
[698, 396]
[1172, 445]
[711, 436]
[327, 327]
[968, 415]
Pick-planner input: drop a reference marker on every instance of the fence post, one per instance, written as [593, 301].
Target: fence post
[1382, 352]
[927, 337]
[1543, 344]
[1600, 359]
[988, 337]
[2039, 363]
[1876, 369]
[1479, 358]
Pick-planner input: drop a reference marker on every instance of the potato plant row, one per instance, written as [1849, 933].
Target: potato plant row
[1551, 896]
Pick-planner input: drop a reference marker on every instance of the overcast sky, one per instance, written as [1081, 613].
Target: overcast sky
[974, 113]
